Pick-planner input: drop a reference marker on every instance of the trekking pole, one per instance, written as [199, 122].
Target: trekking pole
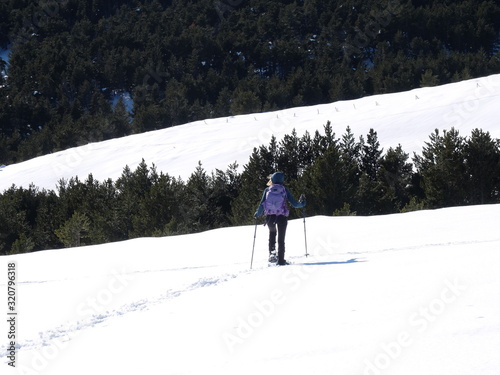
[302, 199]
[253, 247]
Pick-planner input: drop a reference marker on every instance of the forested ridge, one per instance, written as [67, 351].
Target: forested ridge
[83, 71]
[74, 63]
[339, 176]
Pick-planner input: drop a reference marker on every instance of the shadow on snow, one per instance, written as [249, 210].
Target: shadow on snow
[353, 260]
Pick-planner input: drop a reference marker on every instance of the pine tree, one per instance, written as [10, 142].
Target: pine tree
[370, 198]
[245, 101]
[396, 176]
[429, 79]
[14, 219]
[24, 244]
[371, 155]
[350, 154]
[442, 167]
[74, 230]
[288, 156]
[482, 165]
[132, 190]
[326, 141]
[325, 183]
[200, 214]
[120, 119]
[225, 188]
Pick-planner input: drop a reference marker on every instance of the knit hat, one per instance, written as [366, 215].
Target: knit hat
[276, 178]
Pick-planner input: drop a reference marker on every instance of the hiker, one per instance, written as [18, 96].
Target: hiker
[273, 205]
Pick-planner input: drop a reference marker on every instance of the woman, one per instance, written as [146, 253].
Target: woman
[273, 205]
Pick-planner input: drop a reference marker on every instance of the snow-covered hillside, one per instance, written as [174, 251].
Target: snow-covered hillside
[404, 294]
[406, 118]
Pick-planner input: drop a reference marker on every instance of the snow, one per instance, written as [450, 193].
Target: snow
[398, 294]
[411, 293]
[406, 118]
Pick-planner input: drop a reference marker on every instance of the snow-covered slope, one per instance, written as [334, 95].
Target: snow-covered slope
[404, 294]
[406, 118]
[400, 294]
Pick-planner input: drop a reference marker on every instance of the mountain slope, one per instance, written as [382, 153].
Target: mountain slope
[398, 294]
[405, 118]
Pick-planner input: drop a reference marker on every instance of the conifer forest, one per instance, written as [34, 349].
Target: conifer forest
[81, 71]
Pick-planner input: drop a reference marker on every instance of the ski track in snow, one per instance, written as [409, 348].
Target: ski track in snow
[66, 332]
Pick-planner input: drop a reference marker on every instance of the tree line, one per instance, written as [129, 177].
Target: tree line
[339, 176]
[181, 61]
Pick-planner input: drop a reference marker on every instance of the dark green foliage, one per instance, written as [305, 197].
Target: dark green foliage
[324, 183]
[225, 188]
[442, 166]
[456, 170]
[370, 156]
[372, 197]
[344, 211]
[338, 176]
[27, 220]
[189, 60]
[482, 165]
[350, 155]
[74, 230]
[396, 177]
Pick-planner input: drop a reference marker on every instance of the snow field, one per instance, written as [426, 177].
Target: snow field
[407, 293]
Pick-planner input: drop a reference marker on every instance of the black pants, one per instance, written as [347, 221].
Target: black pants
[277, 225]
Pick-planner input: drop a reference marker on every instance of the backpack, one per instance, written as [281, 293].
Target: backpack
[275, 203]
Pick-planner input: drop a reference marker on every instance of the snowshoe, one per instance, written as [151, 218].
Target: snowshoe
[273, 258]
[283, 263]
